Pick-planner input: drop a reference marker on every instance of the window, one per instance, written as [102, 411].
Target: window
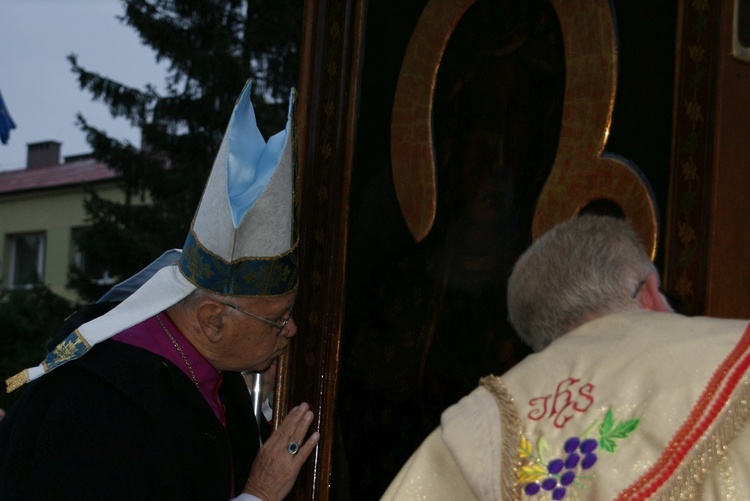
[26, 265]
[96, 270]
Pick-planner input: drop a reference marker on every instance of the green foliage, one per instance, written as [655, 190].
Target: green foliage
[28, 319]
[212, 48]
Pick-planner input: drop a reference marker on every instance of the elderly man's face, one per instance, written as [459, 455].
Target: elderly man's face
[250, 344]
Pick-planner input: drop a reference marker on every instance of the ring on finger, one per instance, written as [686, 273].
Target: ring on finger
[292, 448]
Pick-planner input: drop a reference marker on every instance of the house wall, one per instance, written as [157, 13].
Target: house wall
[56, 213]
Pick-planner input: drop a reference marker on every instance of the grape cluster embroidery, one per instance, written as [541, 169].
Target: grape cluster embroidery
[559, 476]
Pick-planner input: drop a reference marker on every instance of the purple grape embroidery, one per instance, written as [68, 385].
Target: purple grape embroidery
[572, 461]
[560, 475]
[558, 493]
[532, 488]
[549, 483]
[567, 478]
[571, 444]
[555, 466]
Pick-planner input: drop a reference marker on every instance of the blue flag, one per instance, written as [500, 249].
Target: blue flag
[6, 123]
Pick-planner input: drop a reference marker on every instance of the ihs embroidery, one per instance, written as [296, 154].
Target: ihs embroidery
[561, 476]
[571, 398]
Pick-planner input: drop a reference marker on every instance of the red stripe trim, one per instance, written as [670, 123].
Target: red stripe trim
[691, 430]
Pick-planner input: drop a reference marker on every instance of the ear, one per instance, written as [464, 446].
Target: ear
[650, 297]
[211, 320]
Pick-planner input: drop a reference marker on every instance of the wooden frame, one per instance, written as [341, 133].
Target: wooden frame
[333, 41]
[332, 33]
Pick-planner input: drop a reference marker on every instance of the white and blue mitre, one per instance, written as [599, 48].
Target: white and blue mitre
[242, 241]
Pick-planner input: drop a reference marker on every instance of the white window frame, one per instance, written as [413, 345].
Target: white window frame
[41, 251]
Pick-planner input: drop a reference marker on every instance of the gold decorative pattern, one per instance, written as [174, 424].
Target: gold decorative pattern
[713, 449]
[266, 276]
[71, 348]
[728, 480]
[689, 183]
[510, 462]
[412, 152]
[15, 382]
[582, 173]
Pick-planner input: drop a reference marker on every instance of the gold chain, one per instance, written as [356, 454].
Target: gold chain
[179, 350]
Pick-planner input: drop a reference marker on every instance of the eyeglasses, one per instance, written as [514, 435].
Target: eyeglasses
[279, 326]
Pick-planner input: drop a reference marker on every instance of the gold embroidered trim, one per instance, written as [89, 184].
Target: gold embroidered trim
[685, 441]
[510, 462]
[211, 253]
[728, 480]
[15, 382]
[713, 447]
[68, 349]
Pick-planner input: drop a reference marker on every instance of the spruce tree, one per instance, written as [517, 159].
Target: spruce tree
[29, 318]
[212, 48]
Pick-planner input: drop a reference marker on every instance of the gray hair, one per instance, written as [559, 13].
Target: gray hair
[582, 269]
[191, 300]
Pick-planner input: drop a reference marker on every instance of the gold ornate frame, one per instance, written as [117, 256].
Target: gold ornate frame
[582, 172]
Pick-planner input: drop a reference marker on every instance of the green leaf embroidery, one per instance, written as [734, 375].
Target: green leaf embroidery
[610, 430]
[607, 423]
[543, 449]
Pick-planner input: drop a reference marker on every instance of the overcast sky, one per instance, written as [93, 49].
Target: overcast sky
[40, 91]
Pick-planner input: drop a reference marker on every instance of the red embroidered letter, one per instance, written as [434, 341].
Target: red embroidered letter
[538, 413]
[569, 398]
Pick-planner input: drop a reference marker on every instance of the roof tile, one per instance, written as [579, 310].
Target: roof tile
[55, 176]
